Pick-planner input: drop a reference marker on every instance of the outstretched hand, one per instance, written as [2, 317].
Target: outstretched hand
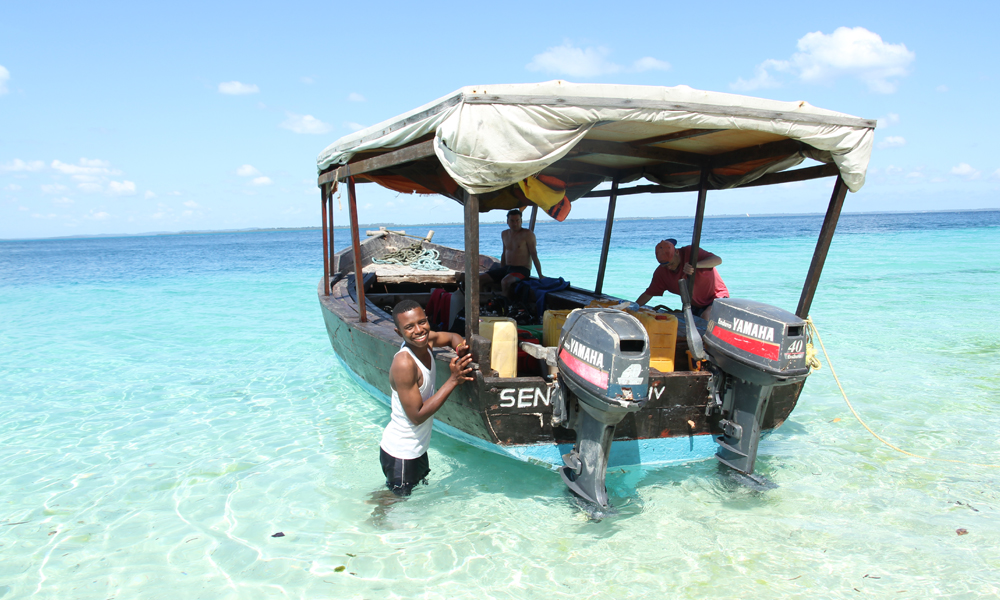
[461, 368]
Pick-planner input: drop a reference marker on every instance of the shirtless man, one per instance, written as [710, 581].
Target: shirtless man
[517, 258]
[412, 378]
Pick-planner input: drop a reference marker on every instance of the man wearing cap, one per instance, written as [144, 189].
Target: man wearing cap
[516, 259]
[675, 264]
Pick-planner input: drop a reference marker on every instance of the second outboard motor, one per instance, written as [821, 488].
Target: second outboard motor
[603, 361]
[756, 347]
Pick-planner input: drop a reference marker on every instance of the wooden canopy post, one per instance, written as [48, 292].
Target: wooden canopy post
[359, 276]
[471, 268]
[822, 247]
[326, 244]
[534, 215]
[699, 219]
[329, 200]
[612, 201]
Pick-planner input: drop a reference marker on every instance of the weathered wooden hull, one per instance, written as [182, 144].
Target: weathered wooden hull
[513, 416]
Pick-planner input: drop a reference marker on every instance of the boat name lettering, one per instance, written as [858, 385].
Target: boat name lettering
[586, 354]
[753, 330]
[524, 397]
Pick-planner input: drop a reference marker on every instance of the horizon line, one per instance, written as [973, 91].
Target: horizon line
[400, 225]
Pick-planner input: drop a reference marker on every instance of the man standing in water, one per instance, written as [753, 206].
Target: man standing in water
[518, 255]
[412, 378]
[708, 284]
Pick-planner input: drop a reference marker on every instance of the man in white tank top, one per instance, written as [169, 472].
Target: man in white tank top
[412, 377]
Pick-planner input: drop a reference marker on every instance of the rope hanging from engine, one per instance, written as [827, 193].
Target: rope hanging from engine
[415, 257]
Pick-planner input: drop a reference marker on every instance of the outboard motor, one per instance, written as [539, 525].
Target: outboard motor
[603, 361]
[754, 348]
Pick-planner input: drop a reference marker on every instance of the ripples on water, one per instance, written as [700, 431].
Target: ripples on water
[170, 403]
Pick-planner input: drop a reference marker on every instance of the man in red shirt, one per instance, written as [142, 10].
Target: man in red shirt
[675, 264]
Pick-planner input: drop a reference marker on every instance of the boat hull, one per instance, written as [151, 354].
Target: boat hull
[512, 416]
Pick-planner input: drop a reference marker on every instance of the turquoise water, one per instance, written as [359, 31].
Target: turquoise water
[170, 403]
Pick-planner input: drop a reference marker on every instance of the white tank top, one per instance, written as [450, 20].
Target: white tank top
[401, 438]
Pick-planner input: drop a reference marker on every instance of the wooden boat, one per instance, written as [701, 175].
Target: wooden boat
[474, 145]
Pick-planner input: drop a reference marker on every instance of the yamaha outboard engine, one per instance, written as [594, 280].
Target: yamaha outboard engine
[603, 361]
[754, 348]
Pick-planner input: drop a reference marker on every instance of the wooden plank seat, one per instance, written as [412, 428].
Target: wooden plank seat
[404, 274]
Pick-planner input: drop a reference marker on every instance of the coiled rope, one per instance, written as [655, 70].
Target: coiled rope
[415, 257]
[814, 330]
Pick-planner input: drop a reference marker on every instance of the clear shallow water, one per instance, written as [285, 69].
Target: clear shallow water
[167, 404]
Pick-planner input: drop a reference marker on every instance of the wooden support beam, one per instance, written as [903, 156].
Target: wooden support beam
[534, 215]
[471, 267]
[606, 245]
[793, 175]
[789, 176]
[699, 220]
[674, 137]
[822, 248]
[359, 277]
[330, 189]
[568, 164]
[382, 161]
[658, 154]
[326, 244]
[777, 149]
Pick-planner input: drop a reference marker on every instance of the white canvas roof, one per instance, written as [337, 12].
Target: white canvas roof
[490, 137]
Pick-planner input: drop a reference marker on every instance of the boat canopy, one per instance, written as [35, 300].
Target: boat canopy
[483, 139]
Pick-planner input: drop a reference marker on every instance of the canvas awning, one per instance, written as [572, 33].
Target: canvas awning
[486, 138]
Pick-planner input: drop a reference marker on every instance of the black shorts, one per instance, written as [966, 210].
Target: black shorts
[401, 474]
[497, 273]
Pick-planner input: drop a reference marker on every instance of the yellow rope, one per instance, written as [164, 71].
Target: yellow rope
[865, 425]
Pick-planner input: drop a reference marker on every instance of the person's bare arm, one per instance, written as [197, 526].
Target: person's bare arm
[447, 338]
[643, 299]
[707, 262]
[503, 251]
[533, 254]
[404, 377]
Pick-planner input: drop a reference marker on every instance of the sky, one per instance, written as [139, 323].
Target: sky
[128, 117]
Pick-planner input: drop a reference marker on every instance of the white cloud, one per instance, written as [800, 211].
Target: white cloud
[123, 188]
[354, 126]
[193, 204]
[822, 58]
[149, 194]
[236, 88]
[247, 171]
[888, 121]
[307, 80]
[994, 175]
[648, 63]
[965, 170]
[53, 188]
[941, 88]
[63, 201]
[762, 78]
[12, 187]
[19, 165]
[188, 213]
[4, 78]
[90, 187]
[355, 97]
[893, 141]
[87, 170]
[97, 216]
[304, 124]
[262, 180]
[575, 62]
